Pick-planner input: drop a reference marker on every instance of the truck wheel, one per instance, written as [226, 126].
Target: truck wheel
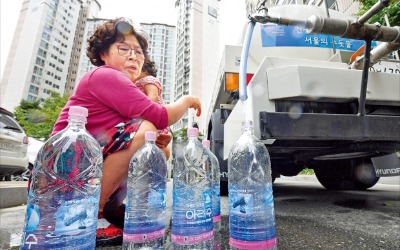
[364, 175]
[330, 175]
[357, 174]
[286, 167]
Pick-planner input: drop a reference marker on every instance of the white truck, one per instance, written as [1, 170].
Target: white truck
[311, 104]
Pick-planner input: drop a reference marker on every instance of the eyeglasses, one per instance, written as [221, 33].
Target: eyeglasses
[125, 50]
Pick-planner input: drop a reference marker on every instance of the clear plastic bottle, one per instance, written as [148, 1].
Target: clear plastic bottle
[192, 225]
[144, 226]
[251, 202]
[64, 193]
[216, 186]
[216, 194]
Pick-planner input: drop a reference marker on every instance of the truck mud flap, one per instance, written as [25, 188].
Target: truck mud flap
[388, 165]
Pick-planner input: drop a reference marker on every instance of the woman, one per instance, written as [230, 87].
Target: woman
[118, 109]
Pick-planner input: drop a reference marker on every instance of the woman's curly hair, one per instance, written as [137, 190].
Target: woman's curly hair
[108, 33]
[149, 67]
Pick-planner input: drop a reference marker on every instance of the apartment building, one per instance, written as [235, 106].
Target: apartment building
[161, 38]
[197, 53]
[40, 53]
[79, 62]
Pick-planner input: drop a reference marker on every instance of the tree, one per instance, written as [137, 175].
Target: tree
[37, 119]
[181, 135]
[392, 12]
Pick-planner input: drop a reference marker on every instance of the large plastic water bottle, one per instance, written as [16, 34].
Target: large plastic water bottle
[216, 186]
[64, 193]
[251, 202]
[144, 225]
[192, 225]
[216, 194]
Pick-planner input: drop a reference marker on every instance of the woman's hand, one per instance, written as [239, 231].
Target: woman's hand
[177, 109]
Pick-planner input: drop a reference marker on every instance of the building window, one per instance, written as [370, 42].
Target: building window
[33, 89]
[31, 98]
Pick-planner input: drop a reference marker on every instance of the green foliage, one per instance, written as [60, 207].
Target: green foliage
[392, 12]
[307, 171]
[37, 119]
[181, 135]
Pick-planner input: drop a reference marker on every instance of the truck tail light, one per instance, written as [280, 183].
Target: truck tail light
[232, 81]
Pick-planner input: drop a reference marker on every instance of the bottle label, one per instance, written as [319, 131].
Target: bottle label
[33, 217]
[192, 217]
[198, 212]
[241, 202]
[193, 239]
[250, 245]
[157, 199]
[216, 201]
[139, 238]
[216, 218]
[251, 214]
[73, 216]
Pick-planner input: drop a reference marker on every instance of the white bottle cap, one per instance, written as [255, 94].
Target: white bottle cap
[193, 132]
[206, 143]
[150, 136]
[78, 112]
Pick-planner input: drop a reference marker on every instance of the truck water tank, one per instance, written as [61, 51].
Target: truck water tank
[293, 42]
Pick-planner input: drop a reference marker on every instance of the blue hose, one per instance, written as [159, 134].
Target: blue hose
[243, 62]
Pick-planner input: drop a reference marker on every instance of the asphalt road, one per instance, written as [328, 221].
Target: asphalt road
[307, 217]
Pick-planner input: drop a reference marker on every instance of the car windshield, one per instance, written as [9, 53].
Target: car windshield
[7, 122]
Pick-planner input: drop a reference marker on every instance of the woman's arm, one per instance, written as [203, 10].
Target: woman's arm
[177, 109]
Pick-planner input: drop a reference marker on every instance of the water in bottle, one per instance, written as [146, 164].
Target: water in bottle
[251, 203]
[64, 193]
[192, 225]
[216, 198]
[144, 226]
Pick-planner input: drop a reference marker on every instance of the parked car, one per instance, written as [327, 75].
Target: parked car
[13, 146]
[34, 146]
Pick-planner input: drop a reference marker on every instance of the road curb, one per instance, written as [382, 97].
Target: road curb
[13, 193]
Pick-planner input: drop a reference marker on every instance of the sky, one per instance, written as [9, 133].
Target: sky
[147, 11]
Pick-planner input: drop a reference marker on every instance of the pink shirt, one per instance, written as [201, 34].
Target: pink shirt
[150, 80]
[111, 98]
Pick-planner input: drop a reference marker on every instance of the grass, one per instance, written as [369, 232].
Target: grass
[307, 171]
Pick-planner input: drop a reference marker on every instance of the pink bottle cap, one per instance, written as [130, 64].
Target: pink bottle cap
[206, 143]
[193, 132]
[78, 112]
[150, 136]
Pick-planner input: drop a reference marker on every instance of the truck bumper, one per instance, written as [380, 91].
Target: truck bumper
[333, 136]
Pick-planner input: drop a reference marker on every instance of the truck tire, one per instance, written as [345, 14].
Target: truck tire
[364, 175]
[357, 174]
[330, 176]
[286, 167]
